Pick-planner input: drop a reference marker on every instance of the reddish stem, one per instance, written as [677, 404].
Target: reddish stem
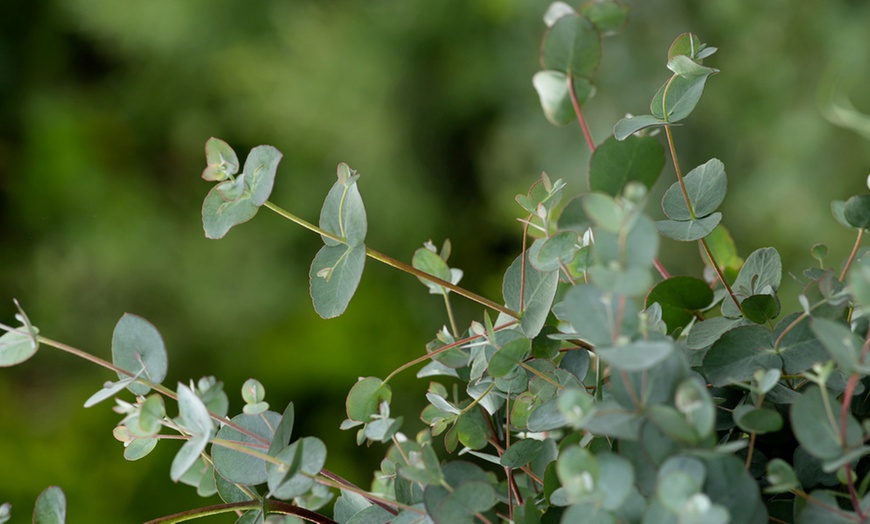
[579, 112]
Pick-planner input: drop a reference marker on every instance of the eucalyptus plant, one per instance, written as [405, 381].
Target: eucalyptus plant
[599, 388]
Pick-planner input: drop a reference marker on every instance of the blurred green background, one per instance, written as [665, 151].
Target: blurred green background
[104, 110]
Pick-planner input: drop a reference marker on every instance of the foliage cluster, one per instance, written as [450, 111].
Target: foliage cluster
[593, 391]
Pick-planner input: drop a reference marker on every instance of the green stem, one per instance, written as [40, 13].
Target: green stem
[428, 356]
[392, 262]
[450, 316]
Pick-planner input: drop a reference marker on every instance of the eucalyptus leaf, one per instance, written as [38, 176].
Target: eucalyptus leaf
[680, 298]
[343, 213]
[739, 353]
[705, 185]
[554, 92]
[16, 347]
[677, 98]
[138, 348]
[635, 356]
[689, 230]
[364, 398]
[632, 124]
[240, 467]
[762, 268]
[816, 421]
[537, 294]
[856, 211]
[260, 168]
[309, 456]
[221, 160]
[334, 276]
[220, 215]
[615, 163]
[521, 453]
[572, 46]
[50, 507]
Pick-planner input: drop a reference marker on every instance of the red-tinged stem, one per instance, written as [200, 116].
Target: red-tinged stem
[852, 254]
[579, 112]
[661, 269]
[271, 506]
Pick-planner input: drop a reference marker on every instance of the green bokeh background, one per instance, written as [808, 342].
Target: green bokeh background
[104, 110]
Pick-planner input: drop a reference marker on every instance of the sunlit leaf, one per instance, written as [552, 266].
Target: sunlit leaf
[705, 185]
[572, 46]
[554, 92]
[364, 398]
[689, 230]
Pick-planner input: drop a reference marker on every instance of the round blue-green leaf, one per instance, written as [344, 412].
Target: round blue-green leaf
[636, 356]
[689, 230]
[308, 455]
[50, 507]
[509, 357]
[706, 186]
[738, 353]
[334, 276]
[364, 398]
[16, 347]
[237, 466]
[221, 159]
[856, 211]
[757, 420]
[260, 168]
[550, 254]
[608, 16]
[151, 414]
[593, 314]
[680, 297]
[616, 163]
[693, 400]
[521, 453]
[139, 448]
[219, 215]
[554, 91]
[471, 428]
[138, 347]
[816, 424]
[843, 345]
[572, 46]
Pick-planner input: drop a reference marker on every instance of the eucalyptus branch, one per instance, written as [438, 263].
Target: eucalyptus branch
[689, 206]
[392, 262]
[271, 506]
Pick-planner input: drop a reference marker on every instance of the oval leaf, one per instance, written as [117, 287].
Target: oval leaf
[138, 347]
[50, 507]
[260, 168]
[738, 353]
[221, 159]
[334, 276]
[364, 398]
[538, 294]
[616, 163]
[554, 93]
[706, 186]
[343, 213]
[680, 298]
[237, 466]
[219, 215]
[571, 46]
